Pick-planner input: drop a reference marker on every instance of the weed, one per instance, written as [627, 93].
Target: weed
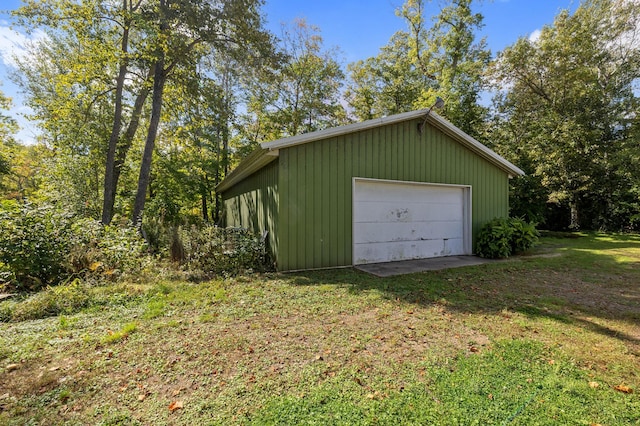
[154, 309]
[62, 299]
[123, 333]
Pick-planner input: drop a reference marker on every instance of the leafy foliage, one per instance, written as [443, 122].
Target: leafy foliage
[523, 236]
[494, 239]
[42, 246]
[105, 251]
[502, 237]
[424, 62]
[568, 108]
[301, 93]
[212, 250]
[33, 244]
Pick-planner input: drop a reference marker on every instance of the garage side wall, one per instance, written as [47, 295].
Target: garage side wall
[315, 186]
[253, 204]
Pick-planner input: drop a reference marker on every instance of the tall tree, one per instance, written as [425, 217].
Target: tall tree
[185, 31]
[8, 127]
[121, 54]
[386, 84]
[302, 93]
[567, 104]
[450, 56]
[85, 66]
[442, 59]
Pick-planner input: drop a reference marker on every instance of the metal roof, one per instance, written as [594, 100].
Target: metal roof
[268, 151]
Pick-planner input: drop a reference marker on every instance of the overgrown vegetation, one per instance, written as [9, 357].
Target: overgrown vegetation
[502, 238]
[211, 250]
[43, 246]
[548, 338]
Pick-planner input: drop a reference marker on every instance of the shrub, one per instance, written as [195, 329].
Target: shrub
[105, 251]
[494, 239]
[213, 250]
[33, 245]
[524, 235]
[43, 246]
[501, 238]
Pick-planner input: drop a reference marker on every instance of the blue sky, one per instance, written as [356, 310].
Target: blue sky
[358, 27]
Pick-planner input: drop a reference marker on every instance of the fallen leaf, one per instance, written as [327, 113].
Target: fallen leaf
[370, 396]
[491, 396]
[551, 362]
[623, 389]
[175, 405]
[94, 266]
[594, 385]
[142, 397]
[474, 349]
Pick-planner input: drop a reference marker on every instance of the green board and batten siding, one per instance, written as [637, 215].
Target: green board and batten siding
[315, 179]
[304, 196]
[253, 204]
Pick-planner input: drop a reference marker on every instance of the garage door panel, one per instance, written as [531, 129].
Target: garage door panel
[399, 221]
[370, 232]
[392, 192]
[405, 250]
[389, 212]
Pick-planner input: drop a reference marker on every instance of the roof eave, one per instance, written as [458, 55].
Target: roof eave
[251, 164]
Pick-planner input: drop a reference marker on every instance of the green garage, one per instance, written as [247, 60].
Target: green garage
[383, 190]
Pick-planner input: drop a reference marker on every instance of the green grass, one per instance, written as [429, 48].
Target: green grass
[538, 339]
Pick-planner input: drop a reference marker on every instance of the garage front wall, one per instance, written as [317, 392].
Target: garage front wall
[314, 221]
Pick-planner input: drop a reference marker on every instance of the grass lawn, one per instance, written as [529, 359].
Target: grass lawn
[551, 338]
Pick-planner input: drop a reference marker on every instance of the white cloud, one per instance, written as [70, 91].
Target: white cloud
[535, 36]
[14, 44]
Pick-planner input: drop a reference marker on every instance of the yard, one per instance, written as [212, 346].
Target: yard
[551, 338]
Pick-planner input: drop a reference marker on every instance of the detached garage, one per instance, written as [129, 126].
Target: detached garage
[379, 191]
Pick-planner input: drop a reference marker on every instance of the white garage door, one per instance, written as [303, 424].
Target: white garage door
[395, 220]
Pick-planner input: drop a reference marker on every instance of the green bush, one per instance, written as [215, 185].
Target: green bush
[501, 238]
[494, 239]
[33, 245]
[212, 250]
[42, 246]
[524, 235]
[105, 251]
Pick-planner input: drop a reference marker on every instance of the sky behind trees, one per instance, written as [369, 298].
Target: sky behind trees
[358, 28]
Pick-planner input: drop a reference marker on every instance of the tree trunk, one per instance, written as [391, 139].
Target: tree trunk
[145, 168]
[110, 182]
[574, 225]
[205, 207]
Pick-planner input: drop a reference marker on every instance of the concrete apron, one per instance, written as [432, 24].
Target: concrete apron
[390, 269]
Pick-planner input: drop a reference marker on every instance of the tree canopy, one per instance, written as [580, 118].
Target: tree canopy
[145, 106]
[567, 107]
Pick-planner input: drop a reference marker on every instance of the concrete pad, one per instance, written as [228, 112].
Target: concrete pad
[390, 269]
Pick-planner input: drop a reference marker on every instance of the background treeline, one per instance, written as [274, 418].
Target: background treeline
[145, 106]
